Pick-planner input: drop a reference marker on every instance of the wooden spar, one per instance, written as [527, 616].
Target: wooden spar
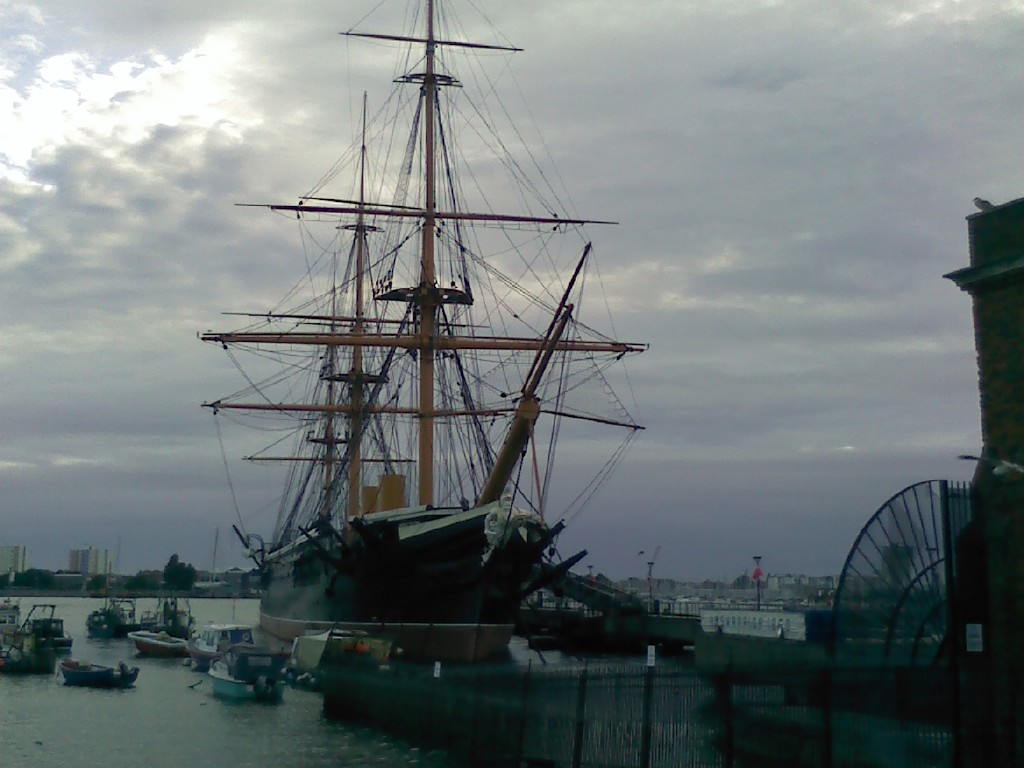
[521, 429]
[430, 41]
[327, 319]
[407, 411]
[445, 343]
[393, 410]
[314, 460]
[422, 213]
[428, 304]
[522, 425]
[561, 305]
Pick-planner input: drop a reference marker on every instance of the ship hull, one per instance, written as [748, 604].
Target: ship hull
[424, 580]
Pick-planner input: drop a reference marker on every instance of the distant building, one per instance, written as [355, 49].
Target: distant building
[13, 559]
[89, 561]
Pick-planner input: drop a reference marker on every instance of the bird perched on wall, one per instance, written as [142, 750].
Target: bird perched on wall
[983, 205]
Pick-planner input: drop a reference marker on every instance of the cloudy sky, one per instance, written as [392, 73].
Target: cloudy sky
[791, 180]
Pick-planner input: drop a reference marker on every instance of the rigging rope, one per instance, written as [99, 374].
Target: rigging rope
[227, 471]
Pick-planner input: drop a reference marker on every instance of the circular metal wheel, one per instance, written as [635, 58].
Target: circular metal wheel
[891, 602]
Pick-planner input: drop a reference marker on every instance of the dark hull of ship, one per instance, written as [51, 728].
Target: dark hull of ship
[431, 591]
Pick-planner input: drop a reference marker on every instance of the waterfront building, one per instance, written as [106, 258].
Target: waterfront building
[13, 559]
[89, 561]
[989, 607]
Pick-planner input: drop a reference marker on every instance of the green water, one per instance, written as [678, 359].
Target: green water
[171, 717]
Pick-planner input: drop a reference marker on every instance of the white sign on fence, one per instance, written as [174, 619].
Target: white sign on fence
[975, 638]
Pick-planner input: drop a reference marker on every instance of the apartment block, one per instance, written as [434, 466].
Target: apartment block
[13, 558]
[89, 561]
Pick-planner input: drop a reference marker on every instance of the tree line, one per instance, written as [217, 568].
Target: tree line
[176, 577]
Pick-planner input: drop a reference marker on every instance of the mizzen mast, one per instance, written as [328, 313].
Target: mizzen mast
[356, 421]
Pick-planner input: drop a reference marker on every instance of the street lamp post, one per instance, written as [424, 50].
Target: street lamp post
[650, 576]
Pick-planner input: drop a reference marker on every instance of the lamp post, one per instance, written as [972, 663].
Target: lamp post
[757, 579]
[650, 576]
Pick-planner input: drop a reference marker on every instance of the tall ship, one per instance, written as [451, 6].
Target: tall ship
[429, 361]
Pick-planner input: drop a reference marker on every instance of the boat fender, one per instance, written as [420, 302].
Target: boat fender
[14, 654]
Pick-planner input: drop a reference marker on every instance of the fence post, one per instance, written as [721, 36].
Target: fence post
[523, 710]
[645, 733]
[826, 715]
[723, 686]
[473, 717]
[581, 708]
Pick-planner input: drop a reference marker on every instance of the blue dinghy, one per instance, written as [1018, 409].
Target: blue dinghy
[82, 674]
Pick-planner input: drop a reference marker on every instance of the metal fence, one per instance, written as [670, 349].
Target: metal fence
[598, 716]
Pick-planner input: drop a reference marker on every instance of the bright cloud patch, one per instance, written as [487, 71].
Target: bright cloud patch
[71, 98]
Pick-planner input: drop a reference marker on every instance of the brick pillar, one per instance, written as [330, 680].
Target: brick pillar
[995, 281]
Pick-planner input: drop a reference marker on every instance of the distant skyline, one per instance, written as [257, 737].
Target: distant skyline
[791, 181]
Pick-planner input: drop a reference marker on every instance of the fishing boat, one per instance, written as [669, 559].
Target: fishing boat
[210, 642]
[10, 618]
[171, 616]
[41, 622]
[82, 674]
[159, 644]
[114, 620]
[28, 650]
[446, 355]
[246, 671]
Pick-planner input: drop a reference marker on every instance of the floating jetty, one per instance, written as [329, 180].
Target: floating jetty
[586, 615]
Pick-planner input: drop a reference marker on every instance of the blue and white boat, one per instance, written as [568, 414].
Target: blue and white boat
[247, 671]
[209, 643]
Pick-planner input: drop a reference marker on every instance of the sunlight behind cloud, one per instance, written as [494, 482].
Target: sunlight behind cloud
[72, 98]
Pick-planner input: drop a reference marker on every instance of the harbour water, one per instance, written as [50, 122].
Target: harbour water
[171, 717]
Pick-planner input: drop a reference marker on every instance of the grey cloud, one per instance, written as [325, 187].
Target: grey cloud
[831, 155]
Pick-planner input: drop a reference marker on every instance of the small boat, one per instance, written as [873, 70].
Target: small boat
[246, 671]
[82, 674]
[158, 644]
[115, 619]
[338, 646]
[211, 641]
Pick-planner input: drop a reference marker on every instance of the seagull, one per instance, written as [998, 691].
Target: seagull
[999, 466]
[983, 205]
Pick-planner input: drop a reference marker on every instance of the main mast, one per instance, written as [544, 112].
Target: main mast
[427, 292]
